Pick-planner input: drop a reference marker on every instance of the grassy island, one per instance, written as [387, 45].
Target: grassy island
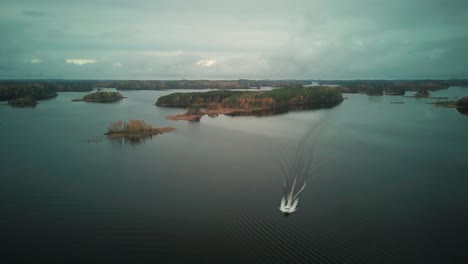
[23, 102]
[250, 102]
[135, 129]
[101, 97]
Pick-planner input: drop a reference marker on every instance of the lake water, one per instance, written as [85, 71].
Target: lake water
[393, 186]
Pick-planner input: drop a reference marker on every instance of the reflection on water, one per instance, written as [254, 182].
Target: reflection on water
[463, 111]
[277, 110]
[22, 106]
[375, 98]
[131, 140]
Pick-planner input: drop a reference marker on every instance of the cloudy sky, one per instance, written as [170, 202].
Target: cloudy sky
[216, 39]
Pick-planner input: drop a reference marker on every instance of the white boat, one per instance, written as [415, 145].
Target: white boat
[289, 202]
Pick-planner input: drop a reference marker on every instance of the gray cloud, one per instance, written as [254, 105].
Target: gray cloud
[262, 39]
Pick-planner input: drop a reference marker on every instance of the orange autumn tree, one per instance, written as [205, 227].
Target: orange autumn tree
[130, 127]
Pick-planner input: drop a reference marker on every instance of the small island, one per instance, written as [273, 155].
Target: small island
[249, 102]
[101, 97]
[23, 95]
[460, 104]
[23, 102]
[425, 95]
[395, 92]
[422, 94]
[135, 129]
[375, 93]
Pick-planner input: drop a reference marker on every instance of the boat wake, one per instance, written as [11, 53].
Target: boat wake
[301, 164]
[289, 203]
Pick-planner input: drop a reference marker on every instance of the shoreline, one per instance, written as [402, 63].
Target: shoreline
[113, 100]
[152, 132]
[214, 112]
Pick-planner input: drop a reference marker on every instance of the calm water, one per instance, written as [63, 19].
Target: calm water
[393, 188]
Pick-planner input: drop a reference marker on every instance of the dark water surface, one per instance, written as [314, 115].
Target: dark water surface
[394, 188]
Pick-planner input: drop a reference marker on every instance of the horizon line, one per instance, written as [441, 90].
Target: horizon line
[237, 79]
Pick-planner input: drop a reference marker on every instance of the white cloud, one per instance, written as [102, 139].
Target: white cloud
[205, 63]
[35, 60]
[80, 61]
[117, 64]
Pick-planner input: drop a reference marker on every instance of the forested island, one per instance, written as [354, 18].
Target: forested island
[422, 94]
[101, 97]
[135, 129]
[249, 102]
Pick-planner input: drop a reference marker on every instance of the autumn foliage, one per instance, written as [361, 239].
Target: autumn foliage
[195, 98]
[103, 96]
[255, 100]
[193, 110]
[130, 127]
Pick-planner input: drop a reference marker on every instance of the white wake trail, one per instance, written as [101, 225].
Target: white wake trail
[302, 164]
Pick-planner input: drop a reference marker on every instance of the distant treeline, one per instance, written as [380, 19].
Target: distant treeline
[392, 86]
[318, 97]
[41, 89]
[199, 84]
[27, 91]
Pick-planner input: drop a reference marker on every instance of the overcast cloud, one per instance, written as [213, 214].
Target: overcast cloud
[215, 39]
